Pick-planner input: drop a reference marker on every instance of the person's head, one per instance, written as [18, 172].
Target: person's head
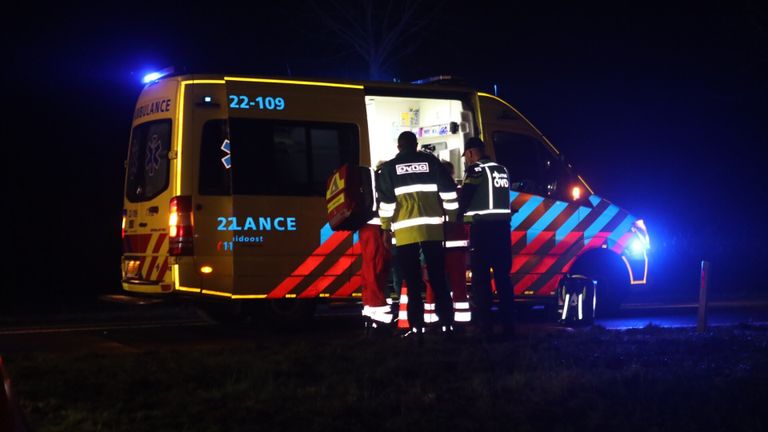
[448, 167]
[407, 141]
[474, 150]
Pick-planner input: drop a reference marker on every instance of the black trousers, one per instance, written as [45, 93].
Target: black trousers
[491, 248]
[409, 263]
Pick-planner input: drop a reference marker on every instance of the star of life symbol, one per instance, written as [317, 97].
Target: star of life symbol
[226, 160]
[152, 161]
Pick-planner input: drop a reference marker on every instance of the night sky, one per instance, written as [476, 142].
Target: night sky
[661, 110]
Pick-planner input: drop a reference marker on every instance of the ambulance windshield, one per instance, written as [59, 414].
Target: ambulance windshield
[532, 167]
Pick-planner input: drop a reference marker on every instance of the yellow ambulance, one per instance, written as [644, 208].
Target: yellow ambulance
[225, 189]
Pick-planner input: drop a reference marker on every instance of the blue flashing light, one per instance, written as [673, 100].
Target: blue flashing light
[154, 76]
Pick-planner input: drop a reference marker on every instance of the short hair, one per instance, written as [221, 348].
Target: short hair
[448, 166]
[474, 142]
[407, 140]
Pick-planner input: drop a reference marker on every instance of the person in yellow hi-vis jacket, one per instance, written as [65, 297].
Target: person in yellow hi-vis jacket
[417, 195]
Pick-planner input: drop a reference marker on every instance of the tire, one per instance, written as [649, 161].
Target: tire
[231, 313]
[612, 292]
[612, 284]
[285, 313]
[588, 305]
[272, 314]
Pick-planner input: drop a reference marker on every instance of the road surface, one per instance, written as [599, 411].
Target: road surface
[132, 327]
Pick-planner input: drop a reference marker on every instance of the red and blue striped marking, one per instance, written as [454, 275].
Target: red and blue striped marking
[548, 236]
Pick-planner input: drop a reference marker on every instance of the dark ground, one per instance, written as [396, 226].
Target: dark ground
[197, 377]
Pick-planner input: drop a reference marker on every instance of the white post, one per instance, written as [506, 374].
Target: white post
[702, 322]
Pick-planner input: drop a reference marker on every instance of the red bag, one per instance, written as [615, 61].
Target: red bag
[350, 197]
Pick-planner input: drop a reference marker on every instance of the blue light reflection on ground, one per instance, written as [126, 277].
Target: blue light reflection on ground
[687, 318]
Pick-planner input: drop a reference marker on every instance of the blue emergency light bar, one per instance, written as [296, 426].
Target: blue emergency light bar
[154, 76]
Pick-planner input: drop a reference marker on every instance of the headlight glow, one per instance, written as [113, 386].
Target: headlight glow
[641, 242]
[637, 247]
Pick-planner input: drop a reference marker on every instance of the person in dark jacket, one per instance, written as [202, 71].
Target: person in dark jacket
[484, 203]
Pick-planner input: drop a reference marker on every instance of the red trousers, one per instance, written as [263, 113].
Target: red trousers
[375, 270]
[456, 271]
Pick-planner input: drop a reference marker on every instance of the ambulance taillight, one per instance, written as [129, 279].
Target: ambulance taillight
[123, 230]
[180, 226]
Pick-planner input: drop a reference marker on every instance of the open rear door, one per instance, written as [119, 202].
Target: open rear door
[286, 138]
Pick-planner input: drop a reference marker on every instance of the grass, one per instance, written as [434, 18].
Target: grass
[652, 379]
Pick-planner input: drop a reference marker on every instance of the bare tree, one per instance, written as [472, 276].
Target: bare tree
[380, 31]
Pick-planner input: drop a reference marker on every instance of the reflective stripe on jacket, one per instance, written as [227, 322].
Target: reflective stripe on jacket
[416, 195]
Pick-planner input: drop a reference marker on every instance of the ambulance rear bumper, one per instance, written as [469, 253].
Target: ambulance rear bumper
[146, 287]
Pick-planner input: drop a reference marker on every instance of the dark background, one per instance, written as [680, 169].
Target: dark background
[662, 110]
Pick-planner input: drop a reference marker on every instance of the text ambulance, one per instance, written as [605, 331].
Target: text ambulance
[226, 176]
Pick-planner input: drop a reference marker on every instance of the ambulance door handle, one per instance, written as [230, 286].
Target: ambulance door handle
[143, 224]
[154, 210]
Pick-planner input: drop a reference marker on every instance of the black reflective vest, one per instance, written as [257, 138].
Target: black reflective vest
[485, 192]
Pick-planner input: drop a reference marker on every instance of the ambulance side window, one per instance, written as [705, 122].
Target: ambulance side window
[532, 168]
[215, 176]
[148, 163]
[293, 158]
[325, 154]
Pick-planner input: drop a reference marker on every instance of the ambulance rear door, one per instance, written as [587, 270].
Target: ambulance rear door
[206, 178]
[148, 188]
[286, 139]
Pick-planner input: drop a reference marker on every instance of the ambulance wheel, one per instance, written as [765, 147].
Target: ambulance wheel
[609, 273]
[588, 305]
[224, 313]
[612, 290]
[288, 313]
